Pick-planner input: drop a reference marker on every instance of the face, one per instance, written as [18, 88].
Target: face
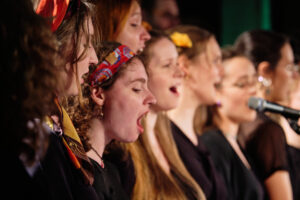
[237, 86]
[204, 72]
[282, 77]
[166, 14]
[133, 34]
[83, 64]
[165, 76]
[126, 103]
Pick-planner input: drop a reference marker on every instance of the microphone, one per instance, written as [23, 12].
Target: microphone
[263, 105]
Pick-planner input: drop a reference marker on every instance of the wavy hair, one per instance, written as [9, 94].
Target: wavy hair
[30, 65]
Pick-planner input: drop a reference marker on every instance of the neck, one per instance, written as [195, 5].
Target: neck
[183, 114]
[150, 121]
[98, 139]
[227, 126]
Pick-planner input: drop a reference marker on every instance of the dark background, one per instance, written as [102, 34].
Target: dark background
[229, 18]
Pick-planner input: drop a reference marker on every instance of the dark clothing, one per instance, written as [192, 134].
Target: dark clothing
[240, 181]
[294, 169]
[59, 178]
[125, 167]
[269, 151]
[56, 178]
[198, 162]
[107, 182]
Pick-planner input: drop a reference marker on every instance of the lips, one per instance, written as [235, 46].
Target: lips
[174, 90]
[139, 123]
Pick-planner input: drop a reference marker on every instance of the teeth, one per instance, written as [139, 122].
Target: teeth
[140, 50]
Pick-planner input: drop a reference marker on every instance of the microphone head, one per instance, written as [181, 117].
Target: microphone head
[256, 103]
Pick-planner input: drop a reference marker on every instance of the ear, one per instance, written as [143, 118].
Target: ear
[183, 62]
[97, 94]
[263, 69]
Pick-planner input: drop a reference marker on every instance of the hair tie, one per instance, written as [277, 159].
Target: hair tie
[181, 40]
[109, 66]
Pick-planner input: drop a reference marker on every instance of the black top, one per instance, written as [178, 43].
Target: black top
[56, 178]
[59, 178]
[268, 149]
[241, 182]
[294, 168]
[107, 182]
[198, 162]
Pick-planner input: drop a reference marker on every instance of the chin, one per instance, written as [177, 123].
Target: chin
[251, 116]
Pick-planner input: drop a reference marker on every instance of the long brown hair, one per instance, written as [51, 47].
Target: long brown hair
[30, 64]
[71, 30]
[152, 182]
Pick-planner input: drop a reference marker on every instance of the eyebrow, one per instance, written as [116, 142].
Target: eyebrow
[142, 80]
[136, 14]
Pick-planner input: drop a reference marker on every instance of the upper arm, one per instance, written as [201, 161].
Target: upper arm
[278, 186]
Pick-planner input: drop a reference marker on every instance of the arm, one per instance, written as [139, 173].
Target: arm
[278, 186]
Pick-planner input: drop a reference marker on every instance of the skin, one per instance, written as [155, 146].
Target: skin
[165, 77]
[164, 74]
[238, 85]
[202, 73]
[166, 14]
[205, 71]
[278, 185]
[82, 65]
[133, 34]
[282, 74]
[124, 105]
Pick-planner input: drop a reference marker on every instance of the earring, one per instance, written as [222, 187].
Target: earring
[266, 83]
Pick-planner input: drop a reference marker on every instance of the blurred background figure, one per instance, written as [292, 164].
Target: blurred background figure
[266, 139]
[161, 14]
[121, 21]
[201, 60]
[237, 85]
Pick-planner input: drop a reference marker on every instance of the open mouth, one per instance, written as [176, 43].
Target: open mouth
[174, 90]
[139, 123]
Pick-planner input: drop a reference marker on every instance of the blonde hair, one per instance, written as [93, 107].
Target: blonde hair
[160, 185]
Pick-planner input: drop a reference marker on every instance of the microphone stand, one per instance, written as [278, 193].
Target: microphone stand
[294, 125]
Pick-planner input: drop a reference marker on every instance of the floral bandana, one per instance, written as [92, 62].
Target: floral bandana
[110, 65]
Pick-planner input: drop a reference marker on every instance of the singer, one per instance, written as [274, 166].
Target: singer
[267, 139]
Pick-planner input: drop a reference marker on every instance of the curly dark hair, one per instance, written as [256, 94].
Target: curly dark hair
[82, 111]
[30, 67]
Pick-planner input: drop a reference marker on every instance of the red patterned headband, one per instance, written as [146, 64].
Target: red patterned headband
[54, 9]
[110, 65]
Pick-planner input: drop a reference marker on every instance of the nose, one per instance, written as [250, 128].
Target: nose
[149, 99]
[178, 71]
[217, 72]
[252, 90]
[145, 36]
[93, 56]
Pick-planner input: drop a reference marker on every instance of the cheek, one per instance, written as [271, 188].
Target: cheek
[83, 67]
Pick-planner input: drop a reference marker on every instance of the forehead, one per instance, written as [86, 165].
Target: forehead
[135, 70]
[238, 67]
[212, 47]
[163, 49]
[88, 26]
[135, 10]
[287, 55]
